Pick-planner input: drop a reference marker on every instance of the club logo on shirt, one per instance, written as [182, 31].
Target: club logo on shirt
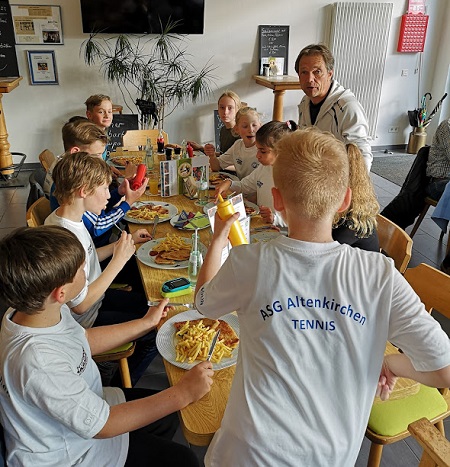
[259, 183]
[82, 366]
[239, 161]
[255, 164]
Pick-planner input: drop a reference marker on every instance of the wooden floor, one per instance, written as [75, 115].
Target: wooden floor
[426, 249]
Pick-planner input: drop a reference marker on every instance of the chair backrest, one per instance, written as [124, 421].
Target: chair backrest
[38, 212]
[394, 242]
[432, 286]
[134, 138]
[46, 159]
[36, 180]
[436, 448]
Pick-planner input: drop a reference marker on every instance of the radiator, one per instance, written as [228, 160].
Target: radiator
[358, 39]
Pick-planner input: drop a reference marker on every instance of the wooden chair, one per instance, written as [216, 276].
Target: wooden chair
[117, 109]
[134, 138]
[433, 288]
[428, 202]
[394, 242]
[46, 159]
[38, 212]
[119, 353]
[436, 448]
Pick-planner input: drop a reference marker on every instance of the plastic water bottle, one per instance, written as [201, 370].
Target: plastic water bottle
[149, 162]
[195, 260]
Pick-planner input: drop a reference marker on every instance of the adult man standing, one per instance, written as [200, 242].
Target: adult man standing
[327, 104]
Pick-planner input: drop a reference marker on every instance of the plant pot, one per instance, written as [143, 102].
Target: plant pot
[417, 139]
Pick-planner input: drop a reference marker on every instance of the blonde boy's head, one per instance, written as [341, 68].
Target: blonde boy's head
[82, 134]
[311, 172]
[95, 100]
[247, 112]
[76, 171]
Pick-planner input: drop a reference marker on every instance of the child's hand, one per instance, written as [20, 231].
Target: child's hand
[386, 382]
[266, 214]
[132, 196]
[222, 188]
[209, 150]
[124, 248]
[222, 229]
[155, 314]
[196, 382]
[141, 236]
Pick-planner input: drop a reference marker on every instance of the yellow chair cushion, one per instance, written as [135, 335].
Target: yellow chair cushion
[119, 349]
[390, 418]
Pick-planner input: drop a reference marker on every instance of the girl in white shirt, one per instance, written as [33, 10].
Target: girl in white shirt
[260, 181]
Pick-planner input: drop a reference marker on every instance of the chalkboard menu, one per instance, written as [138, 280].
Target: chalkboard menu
[8, 58]
[273, 49]
[120, 125]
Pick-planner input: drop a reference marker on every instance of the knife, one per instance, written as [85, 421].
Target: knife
[155, 223]
[155, 303]
[213, 345]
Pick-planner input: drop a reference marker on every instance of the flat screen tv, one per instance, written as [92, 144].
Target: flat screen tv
[142, 16]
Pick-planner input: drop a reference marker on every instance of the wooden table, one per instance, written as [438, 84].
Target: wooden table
[6, 85]
[200, 420]
[279, 84]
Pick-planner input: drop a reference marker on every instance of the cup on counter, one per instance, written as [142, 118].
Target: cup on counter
[153, 181]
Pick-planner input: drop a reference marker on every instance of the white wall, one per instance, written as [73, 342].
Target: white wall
[35, 114]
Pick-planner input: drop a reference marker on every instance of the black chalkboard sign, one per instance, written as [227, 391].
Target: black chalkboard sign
[8, 57]
[120, 125]
[273, 49]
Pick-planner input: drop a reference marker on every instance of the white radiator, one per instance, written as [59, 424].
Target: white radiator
[358, 40]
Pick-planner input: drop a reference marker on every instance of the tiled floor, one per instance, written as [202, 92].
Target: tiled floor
[426, 249]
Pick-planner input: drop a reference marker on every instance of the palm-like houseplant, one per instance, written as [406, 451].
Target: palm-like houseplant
[156, 68]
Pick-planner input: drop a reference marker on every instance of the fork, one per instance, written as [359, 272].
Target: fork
[155, 303]
[121, 230]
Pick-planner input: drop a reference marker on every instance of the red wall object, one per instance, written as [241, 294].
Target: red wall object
[413, 32]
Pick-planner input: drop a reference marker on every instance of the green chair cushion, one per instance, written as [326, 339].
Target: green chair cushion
[119, 349]
[390, 418]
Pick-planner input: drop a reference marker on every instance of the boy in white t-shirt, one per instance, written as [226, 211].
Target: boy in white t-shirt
[314, 318]
[53, 408]
[242, 155]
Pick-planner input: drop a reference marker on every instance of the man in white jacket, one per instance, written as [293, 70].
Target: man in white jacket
[327, 104]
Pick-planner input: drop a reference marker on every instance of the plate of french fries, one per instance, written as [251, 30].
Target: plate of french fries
[144, 212]
[169, 252]
[185, 339]
[121, 161]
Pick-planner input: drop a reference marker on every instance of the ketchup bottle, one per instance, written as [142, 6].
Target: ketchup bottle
[139, 178]
[190, 150]
[226, 210]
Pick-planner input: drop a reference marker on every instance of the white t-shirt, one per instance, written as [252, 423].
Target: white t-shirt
[314, 320]
[260, 181]
[244, 159]
[52, 400]
[92, 266]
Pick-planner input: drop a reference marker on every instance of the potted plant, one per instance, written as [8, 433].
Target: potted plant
[154, 67]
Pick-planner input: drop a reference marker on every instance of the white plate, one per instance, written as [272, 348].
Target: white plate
[143, 255]
[226, 174]
[246, 203]
[264, 236]
[174, 219]
[166, 340]
[173, 211]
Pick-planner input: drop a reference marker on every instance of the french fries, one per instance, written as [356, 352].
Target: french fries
[148, 213]
[172, 242]
[195, 341]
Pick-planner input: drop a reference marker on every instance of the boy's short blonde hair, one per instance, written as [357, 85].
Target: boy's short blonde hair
[79, 170]
[96, 99]
[311, 171]
[244, 111]
[82, 133]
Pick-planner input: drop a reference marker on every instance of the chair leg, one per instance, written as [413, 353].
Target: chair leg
[419, 220]
[440, 426]
[125, 373]
[376, 450]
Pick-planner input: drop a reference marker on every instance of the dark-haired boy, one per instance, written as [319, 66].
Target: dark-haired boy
[52, 406]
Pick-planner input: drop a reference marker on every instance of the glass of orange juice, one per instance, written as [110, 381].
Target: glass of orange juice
[153, 182]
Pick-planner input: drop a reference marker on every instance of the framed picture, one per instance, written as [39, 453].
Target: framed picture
[37, 24]
[42, 65]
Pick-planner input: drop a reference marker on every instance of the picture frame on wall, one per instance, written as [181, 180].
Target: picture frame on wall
[37, 24]
[42, 66]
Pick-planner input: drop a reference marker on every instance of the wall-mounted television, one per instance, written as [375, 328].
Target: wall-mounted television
[142, 16]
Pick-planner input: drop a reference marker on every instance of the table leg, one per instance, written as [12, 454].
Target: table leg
[278, 105]
[5, 155]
